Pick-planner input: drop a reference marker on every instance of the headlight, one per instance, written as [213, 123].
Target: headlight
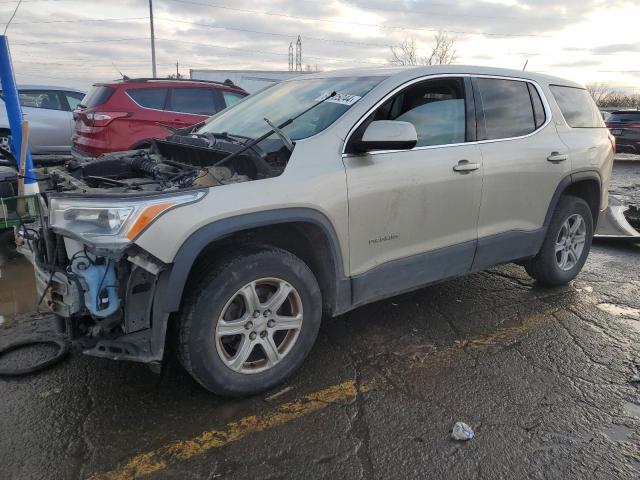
[111, 222]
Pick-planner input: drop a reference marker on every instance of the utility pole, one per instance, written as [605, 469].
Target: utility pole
[154, 72]
[177, 71]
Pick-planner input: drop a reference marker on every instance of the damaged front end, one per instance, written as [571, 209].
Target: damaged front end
[89, 269]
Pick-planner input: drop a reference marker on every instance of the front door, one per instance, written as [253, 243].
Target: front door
[413, 214]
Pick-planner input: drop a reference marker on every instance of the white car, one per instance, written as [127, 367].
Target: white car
[49, 112]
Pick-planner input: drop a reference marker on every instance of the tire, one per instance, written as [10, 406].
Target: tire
[213, 358]
[547, 266]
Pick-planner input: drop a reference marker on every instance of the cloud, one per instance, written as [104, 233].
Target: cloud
[616, 48]
[256, 34]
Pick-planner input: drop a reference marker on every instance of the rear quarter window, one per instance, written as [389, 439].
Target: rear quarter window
[577, 107]
[97, 96]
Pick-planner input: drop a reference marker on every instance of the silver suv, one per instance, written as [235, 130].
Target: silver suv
[312, 198]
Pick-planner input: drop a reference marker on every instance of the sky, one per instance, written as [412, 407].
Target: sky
[78, 42]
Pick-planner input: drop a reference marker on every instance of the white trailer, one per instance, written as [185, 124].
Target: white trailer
[250, 80]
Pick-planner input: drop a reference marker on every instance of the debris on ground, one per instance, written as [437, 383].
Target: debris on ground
[271, 398]
[635, 378]
[462, 431]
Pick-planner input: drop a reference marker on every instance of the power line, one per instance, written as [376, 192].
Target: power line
[339, 22]
[82, 20]
[267, 52]
[82, 41]
[262, 32]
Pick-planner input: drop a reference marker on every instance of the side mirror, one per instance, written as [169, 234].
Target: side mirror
[387, 135]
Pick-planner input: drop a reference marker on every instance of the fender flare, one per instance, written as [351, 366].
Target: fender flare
[184, 259]
[564, 184]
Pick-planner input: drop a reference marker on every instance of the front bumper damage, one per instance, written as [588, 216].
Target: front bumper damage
[111, 301]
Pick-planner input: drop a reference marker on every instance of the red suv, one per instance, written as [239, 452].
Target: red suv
[125, 115]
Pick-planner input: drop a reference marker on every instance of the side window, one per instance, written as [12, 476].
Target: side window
[45, 99]
[577, 107]
[231, 98]
[435, 107]
[198, 101]
[508, 111]
[73, 99]
[538, 108]
[149, 97]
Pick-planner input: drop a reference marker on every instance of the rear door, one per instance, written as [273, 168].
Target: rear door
[49, 120]
[524, 161]
[190, 105]
[144, 122]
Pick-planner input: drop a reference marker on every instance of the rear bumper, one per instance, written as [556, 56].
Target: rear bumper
[628, 144]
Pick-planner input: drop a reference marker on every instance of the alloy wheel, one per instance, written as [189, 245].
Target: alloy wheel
[259, 325]
[570, 242]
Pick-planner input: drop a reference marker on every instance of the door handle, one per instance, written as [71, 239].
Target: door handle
[557, 157]
[464, 166]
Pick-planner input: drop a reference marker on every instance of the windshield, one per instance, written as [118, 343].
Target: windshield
[288, 99]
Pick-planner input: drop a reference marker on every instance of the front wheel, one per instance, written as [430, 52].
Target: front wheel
[251, 323]
[566, 246]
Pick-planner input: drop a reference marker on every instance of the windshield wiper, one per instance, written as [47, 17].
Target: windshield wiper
[283, 136]
[271, 132]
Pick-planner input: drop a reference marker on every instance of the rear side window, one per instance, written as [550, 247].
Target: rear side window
[149, 97]
[97, 96]
[198, 101]
[508, 111]
[577, 107]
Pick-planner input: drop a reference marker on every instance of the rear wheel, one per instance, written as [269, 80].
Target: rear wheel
[251, 323]
[567, 244]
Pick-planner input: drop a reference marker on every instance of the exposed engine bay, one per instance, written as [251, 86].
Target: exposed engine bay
[178, 162]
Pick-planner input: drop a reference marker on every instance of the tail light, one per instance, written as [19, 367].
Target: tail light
[102, 119]
[612, 139]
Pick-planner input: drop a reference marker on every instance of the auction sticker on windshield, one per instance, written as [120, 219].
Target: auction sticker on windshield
[339, 98]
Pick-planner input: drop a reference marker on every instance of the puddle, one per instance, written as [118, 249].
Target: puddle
[622, 433]
[17, 289]
[619, 433]
[620, 310]
[632, 409]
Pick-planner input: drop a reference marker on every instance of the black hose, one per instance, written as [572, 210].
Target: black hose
[63, 350]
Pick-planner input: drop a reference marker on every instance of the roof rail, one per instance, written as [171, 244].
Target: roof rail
[227, 82]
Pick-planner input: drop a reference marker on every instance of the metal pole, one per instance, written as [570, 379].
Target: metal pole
[154, 73]
[14, 113]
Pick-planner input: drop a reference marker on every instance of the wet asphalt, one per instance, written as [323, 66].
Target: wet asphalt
[541, 375]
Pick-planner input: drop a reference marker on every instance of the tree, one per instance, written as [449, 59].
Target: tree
[443, 51]
[600, 92]
[606, 96]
